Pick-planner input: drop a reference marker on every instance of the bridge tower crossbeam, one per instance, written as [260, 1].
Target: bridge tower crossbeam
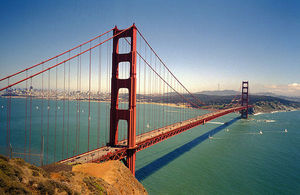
[117, 114]
[245, 99]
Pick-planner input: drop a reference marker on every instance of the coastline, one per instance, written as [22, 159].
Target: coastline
[276, 111]
[93, 100]
[257, 110]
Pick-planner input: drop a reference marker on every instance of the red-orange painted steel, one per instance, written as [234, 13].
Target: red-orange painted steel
[122, 152]
[245, 98]
[117, 114]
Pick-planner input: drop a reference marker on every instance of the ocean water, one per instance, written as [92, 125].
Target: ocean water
[236, 160]
[66, 135]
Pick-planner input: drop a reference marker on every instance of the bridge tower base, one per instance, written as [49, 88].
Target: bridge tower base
[129, 114]
[245, 99]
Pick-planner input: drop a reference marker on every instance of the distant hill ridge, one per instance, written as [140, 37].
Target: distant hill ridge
[221, 92]
[220, 99]
[232, 92]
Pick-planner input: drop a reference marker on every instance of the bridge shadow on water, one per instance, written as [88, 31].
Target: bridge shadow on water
[154, 166]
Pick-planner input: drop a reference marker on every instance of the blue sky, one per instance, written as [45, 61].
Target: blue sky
[205, 43]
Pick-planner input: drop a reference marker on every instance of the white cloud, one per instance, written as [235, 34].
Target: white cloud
[292, 89]
[294, 85]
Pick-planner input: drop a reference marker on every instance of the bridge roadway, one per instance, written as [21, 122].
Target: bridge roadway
[146, 140]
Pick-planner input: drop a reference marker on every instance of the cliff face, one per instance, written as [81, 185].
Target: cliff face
[19, 177]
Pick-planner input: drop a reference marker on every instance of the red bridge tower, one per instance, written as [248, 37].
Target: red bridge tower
[117, 114]
[245, 98]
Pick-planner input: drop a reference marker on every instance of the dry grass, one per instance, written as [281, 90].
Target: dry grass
[19, 177]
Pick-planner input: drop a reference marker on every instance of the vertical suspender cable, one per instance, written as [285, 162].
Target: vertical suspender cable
[42, 112]
[99, 96]
[63, 125]
[139, 77]
[48, 110]
[68, 120]
[25, 145]
[55, 117]
[89, 115]
[150, 95]
[145, 91]
[106, 105]
[8, 120]
[77, 108]
[30, 116]
[78, 137]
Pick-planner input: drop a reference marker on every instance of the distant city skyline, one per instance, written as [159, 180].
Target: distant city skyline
[208, 45]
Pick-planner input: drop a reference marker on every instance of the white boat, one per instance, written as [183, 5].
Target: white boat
[210, 137]
[260, 132]
[285, 131]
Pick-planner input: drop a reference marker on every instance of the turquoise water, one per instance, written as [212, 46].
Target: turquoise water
[51, 120]
[237, 160]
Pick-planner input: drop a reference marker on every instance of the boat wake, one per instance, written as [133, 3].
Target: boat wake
[252, 133]
[218, 123]
[267, 121]
[215, 138]
[273, 131]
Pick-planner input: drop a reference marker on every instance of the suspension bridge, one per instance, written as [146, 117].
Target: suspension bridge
[105, 99]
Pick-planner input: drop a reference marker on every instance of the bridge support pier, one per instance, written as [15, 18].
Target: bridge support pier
[245, 99]
[129, 114]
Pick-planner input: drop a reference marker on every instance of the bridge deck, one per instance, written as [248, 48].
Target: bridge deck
[147, 139]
